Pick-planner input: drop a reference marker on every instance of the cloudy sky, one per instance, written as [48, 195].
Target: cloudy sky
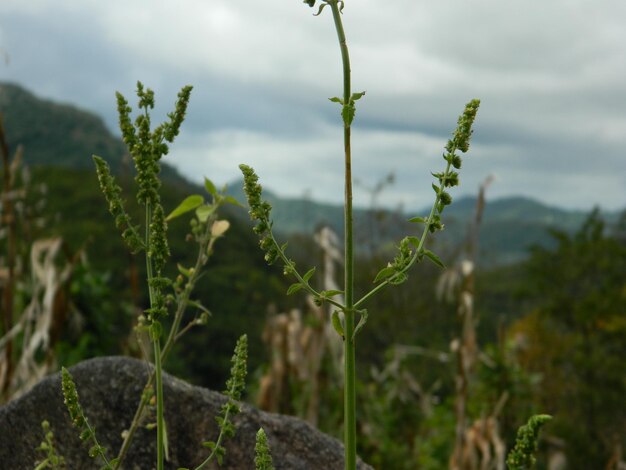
[551, 76]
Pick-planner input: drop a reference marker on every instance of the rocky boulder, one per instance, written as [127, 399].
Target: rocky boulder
[109, 389]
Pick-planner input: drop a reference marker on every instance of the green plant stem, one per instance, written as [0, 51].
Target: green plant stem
[156, 343]
[172, 336]
[416, 255]
[349, 340]
[218, 444]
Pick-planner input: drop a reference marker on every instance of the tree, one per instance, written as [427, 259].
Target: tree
[575, 337]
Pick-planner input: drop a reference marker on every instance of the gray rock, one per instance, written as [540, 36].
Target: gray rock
[109, 390]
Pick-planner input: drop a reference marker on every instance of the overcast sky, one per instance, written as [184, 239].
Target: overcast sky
[551, 76]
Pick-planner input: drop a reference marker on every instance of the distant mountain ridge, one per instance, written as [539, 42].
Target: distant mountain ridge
[510, 225]
[62, 135]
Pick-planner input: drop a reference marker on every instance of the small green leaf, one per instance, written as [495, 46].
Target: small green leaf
[357, 96]
[418, 220]
[210, 187]
[308, 275]
[184, 271]
[415, 241]
[319, 12]
[337, 323]
[362, 322]
[336, 100]
[398, 279]
[209, 445]
[294, 288]
[189, 204]
[330, 293]
[434, 258]
[204, 212]
[199, 306]
[383, 273]
[347, 113]
[233, 201]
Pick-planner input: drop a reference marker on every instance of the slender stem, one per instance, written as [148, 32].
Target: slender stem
[156, 343]
[159, 397]
[218, 444]
[173, 334]
[349, 340]
[416, 255]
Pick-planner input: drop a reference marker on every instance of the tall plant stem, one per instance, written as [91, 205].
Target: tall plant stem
[349, 346]
[169, 343]
[156, 343]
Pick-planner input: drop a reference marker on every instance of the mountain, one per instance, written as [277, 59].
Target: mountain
[61, 134]
[510, 225]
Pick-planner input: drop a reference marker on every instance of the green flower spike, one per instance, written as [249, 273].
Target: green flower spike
[521, 457]
[263, 459]
[79, 420]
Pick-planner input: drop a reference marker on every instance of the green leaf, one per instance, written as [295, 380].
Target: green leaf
[415, 241]
[337, 323]
[330, 293]
[308, 275]
[434, 258]
[189, 204]
[399, 278]
[347, 113]
[209, 445]
[383, 273]
[319, 12]
[357, 96]
[210, 187]
[199, 306]
[233, 201]
[362, 322]
[418, 220]
[184, 271]
[294, 288]
[336, 100]
[204, 212]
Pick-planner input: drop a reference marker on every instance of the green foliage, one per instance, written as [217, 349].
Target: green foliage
[263, 457]
[575, 337]
[52, 460]
[234, 388]
[521, 456]
[79, 420]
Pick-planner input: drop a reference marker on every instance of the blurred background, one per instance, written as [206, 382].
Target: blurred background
[530, 315]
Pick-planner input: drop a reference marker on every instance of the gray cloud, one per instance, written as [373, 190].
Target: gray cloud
[550, 75]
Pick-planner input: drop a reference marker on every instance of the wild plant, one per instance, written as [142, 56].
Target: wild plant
[263, 458]
[411, 250]
[53, 460]
[521, 456]
[147, 146]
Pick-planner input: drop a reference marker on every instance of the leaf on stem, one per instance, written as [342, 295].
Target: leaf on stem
[308, 275]
[188, 204]
[336, 320]
[293, 288]
[204, 212]
[210, 187]
[362, 321]
[434, 258]
[384, 273]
